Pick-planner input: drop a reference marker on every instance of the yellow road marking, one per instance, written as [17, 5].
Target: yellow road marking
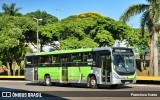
[152, 78]
[12, 77]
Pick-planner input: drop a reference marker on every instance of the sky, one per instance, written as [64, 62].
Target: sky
[110, 8]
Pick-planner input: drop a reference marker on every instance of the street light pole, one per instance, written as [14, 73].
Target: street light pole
[58, 22]
[58, 14]
[37, 20]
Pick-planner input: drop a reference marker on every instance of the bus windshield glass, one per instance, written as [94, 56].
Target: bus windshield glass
[124, 64]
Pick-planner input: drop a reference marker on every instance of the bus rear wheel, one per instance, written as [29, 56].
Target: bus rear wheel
[92, 82]
[47, 81]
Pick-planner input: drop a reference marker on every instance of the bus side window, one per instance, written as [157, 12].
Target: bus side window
[44, 60]
[54, 59]
[76, 57]
[85, 57]
[94, 58]
[88, 58]
[29, 61]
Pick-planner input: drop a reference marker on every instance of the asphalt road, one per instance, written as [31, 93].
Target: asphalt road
[27, 89]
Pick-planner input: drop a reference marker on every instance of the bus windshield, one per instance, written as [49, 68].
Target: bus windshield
[124, 64]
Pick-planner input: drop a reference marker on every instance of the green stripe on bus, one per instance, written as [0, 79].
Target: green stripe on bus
[131, 76]
[77, 60]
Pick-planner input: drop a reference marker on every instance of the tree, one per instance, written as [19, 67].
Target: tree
[46, 18]
[150, 17]
[75, 43]
[11, 9]
[101, 29]
[12, 42]
[9, 35]
[92, 27]
[136, 39]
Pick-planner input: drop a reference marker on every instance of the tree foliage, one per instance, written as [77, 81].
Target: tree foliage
[11, 10]
[136, 40]
[92, 27]
[46, 18]
[75, 43]
[12, 34]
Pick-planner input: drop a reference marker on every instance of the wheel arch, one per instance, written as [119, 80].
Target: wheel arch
[47, 75]
[91, 74]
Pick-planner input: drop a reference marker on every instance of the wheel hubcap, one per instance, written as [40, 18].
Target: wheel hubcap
[93, 82]
[47, 80]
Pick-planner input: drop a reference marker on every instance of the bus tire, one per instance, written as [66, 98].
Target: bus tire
[93, 82]
[47, 80]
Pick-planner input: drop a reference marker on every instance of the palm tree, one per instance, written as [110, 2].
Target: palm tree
[10, 9]
[150, 18]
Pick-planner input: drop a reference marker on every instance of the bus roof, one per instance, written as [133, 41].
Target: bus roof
[121, 48]
[64, 51]
[75, 51]
[101, 48]
[109, 48]
[31, 54]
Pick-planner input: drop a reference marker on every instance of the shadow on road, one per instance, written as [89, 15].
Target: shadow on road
[20, 94]
[148, 82]
[81, 86]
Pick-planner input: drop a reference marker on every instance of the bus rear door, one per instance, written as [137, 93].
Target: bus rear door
[64, 69]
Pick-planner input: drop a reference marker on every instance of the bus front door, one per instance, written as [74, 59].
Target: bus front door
[29, 74]
[31, 70]
[105, 67]
[64, 70]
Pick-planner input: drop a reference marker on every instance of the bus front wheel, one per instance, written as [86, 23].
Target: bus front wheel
[92, 82]
[47, 80]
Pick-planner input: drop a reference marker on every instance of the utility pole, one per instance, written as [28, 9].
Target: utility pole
[58, 11]
[38, 42]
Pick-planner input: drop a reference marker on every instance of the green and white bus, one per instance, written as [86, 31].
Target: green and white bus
[95, 66]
